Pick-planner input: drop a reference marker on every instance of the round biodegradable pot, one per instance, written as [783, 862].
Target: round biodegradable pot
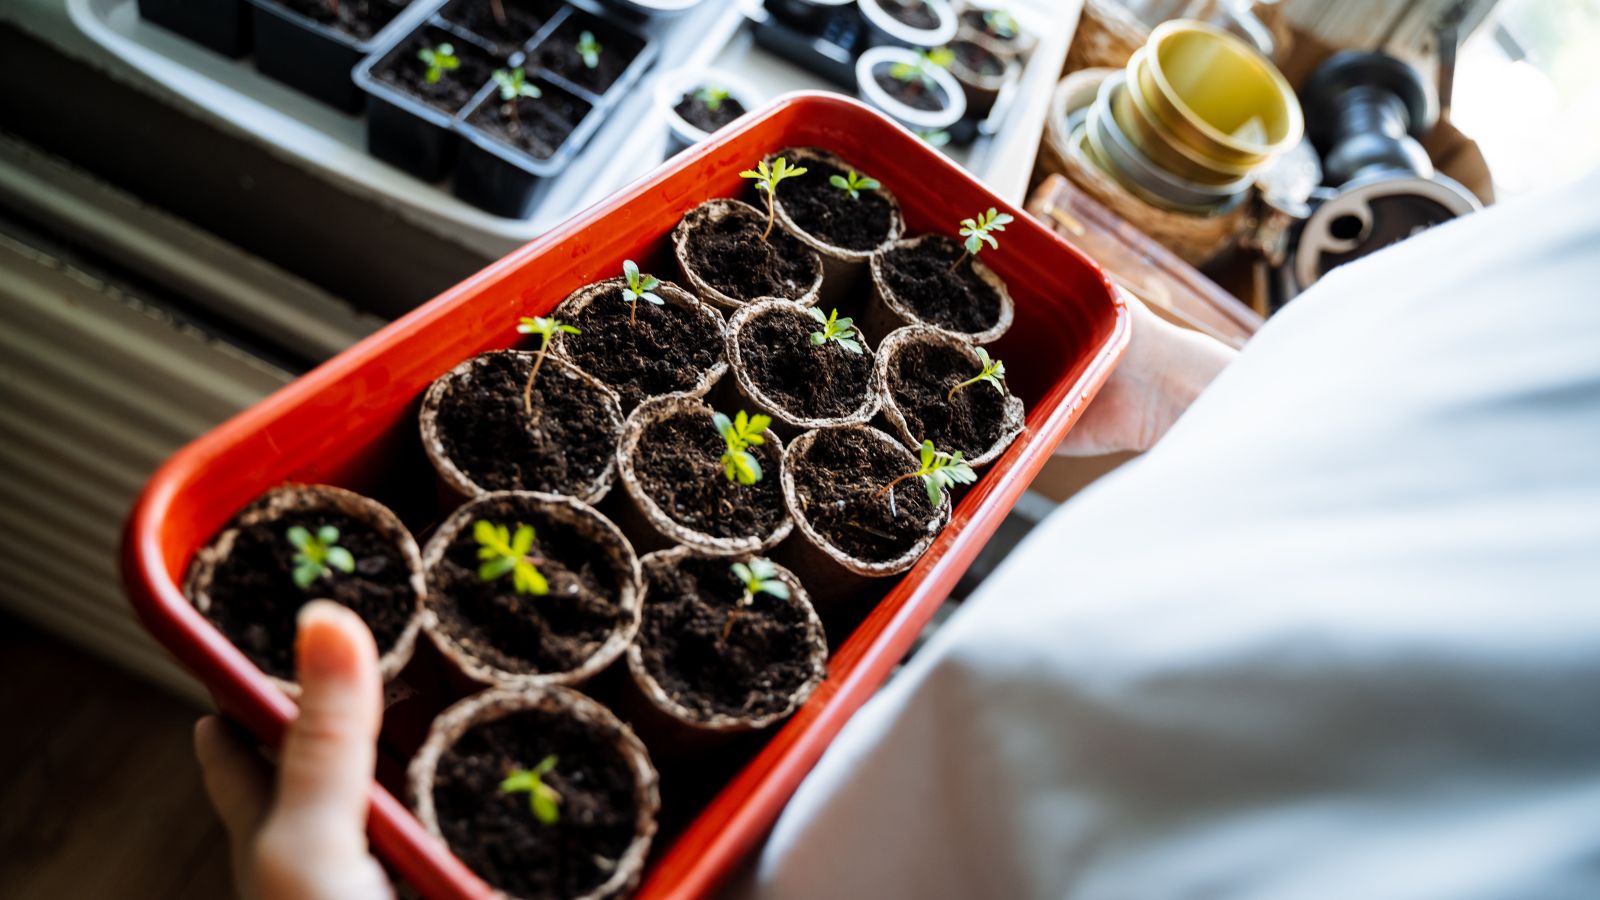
[671, 348]
[990, 23]
[908, 23]
[778, 369]
[602, 774]
[917, 367]
[981, 72]
[704, 666]
[676, 490]
[497, 634]
[923, 106]
[242, 581]
[913, 284]
[843, 230]
[719, 249]
[833, 480]
[480, 437]
[690, 120]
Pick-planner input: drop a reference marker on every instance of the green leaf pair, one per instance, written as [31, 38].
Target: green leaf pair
[993, 372]
[981, 230]
[317, 555]
[543, 800]
[854, 184]
[739, 434]
[500, 552]
[439, 60]
[759, 576]
[842, 331]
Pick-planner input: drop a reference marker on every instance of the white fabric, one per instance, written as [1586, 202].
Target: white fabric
[1337, 636]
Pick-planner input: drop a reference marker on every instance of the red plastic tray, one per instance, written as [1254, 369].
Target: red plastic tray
[352, 422]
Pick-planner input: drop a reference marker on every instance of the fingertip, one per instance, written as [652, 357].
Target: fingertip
[332, 642]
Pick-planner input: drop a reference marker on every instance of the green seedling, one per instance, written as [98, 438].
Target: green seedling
[981, 231]
[920, 71]
[759, 577]
[640, 287]
[1001, 24]
[767, 180]
[501, 552]
[939, 472]
[439, 60]
[843, 331]
[543, 800]
[855, 184]
[514, 85]
[545, 328]
[317, 555]
[740, 434]
[993, 372]
[589, 50]
[936, 137]
[711, 96]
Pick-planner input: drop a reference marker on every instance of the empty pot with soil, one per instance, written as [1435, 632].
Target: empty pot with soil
[311, 45]
[931, 280]
[780, 368]
[693, 476]
[910, 89]
[909, 23]
[521, 20]
[731, 254]
[942, 389]
[304, 542]
[698, 101]
[495, 424]
[726, 645]
[530, 589]
[858, 514]
[842, 213]
[640, 348]
[542, 792]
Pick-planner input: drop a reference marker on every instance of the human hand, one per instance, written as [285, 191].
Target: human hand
[307, 840]
[1165, 369]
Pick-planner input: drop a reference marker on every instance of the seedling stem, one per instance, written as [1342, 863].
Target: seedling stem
[993, 372]
[767, 180]
[640, 287]
[980, 231]
[545, 328]
[759, 577]
[939, 471]
[514, 85]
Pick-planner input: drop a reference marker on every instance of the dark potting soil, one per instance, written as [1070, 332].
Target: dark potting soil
[914, 93]
[489, 435]
[754, 673]
[541, 124]
[455, 87]
[811, 382]
[694, 110]
[679, 464]
[914, 13]
[523, 19]
[838, 486]
[496, 834]
[664, 349]
[959, 300]
[558, 53]
[830, 213]
[524, 633]
[921, 376]
[361, 19]
[254, 599]
[731, 256]
[978, 58]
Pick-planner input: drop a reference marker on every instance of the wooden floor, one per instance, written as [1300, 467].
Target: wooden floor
[99, 793]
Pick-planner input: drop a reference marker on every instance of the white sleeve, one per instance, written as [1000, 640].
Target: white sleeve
[1337, 636]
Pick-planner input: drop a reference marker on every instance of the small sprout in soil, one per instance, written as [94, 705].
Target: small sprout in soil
[740, 434]
[500, 551]
[543, 799]
[514, 85]
[836, 329]
[939, 471]
[994, 372]
[1001, 24]
[439, 60]
[545, 328]
[936, 137]
[767, 180]
[711, 96]
[317, 555]
[855, 184]
[921, 71]
[589, 50]
[759, 577]
[980, 231]
[640, 287]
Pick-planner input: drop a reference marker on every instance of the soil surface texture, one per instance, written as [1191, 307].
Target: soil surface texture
[254, 599]
[495, 833]
[914, 13]
[839, 486]
[525, 633]
[664, 349]
[455, 87]
[491, 437]
[731, 256]
[523, 19]
[764, 661]
[361, 19]
[958, 300]
[915, 93]
[558, 53]
[831, 214]
[978, 58]
[694, 110]
[921, 376]
[541, 124]
[811, 382]
[679, 464]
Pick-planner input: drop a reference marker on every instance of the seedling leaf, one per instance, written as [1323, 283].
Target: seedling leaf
[993, 371]
[767, 180]
[317, 555]
[739, 434]
[711, 96]
[589, 49]
[841, 331]
[939, 472]
[543, 800]
[640, 286]
[439, 60]
[979, 231]
[854, 184]
[501, 552]
[545, 328]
